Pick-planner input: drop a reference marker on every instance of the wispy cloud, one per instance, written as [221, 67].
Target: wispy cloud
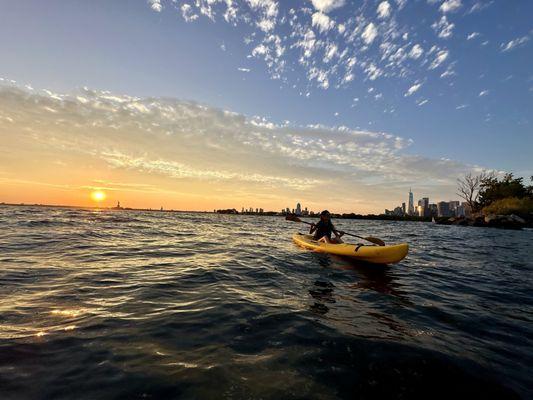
[416, 51]
[322, 22]
[480, 5]
[413, 89]
[156, 5]
[327, 5]
[450, 6]
[441, 56]
[370, 33]
[384, 10]
[177, 142]
[443, 27]
[331, 48]
[514, 43]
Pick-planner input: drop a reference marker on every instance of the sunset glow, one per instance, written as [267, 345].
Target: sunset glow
[98, 196]
[348, 112]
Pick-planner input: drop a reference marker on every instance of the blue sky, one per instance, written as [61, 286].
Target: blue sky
[452, 78]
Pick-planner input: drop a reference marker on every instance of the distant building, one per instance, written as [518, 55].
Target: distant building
[411, 207]
[298, 209]
[453, 205]
[403, 208]
[460, 211]
[423, 207]
[433, 210]
[468, 210]
[443, 208]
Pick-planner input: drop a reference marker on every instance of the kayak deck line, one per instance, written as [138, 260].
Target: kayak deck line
[368, 253]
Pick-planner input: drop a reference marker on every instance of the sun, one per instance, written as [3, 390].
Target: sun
[98, 196]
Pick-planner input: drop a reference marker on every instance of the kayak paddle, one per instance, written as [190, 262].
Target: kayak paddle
[371, 239]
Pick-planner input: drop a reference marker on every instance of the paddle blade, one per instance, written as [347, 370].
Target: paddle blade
[293, 218]
[374, 240]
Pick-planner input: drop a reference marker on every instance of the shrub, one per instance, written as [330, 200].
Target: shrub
[510, 205]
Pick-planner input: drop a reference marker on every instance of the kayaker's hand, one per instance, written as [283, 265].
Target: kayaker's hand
[341, 233]
[313, 225]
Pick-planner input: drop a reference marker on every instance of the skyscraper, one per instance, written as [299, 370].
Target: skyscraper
[411, 208]
[298, 209]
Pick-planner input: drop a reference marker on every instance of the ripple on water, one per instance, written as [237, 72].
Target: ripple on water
[124, 304]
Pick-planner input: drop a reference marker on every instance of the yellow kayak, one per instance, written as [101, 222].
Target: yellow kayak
[371, 254]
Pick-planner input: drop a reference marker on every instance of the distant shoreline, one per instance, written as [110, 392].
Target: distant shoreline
[264, 214]
[101, 208]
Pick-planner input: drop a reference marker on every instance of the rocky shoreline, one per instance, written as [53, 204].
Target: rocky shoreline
[490, 221]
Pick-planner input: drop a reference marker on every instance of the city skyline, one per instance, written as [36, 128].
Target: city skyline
[342, 105]
[442, 208]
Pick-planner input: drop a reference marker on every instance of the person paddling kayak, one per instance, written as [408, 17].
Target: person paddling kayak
[322, 230]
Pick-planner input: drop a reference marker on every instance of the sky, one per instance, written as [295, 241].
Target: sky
[205, 104]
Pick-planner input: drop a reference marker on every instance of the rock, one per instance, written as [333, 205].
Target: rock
[517, 219]
[461, 221]
[478, 221]
[504, 221]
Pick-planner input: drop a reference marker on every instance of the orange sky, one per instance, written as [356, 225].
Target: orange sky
[151, 153]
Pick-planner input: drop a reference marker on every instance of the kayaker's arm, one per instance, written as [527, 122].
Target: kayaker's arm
[312, 229]
[336, 232]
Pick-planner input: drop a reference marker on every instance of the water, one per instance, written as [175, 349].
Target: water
[124, 304]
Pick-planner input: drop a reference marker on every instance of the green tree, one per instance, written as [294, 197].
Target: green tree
[492, 189]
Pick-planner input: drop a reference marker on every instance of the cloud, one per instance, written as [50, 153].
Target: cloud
[450, 6]
[326, 6]
[170, 144]
[244, 69]
[480, 5]
[443, 28]
[295, 42]
[369, 34]
[413, 89]
[322, 22]
[441, 56]
[373, 72]
[483, 93]
[416, 51]
[187, 13]
[514, 43]
[448, 73]
[320, 76]
[156, 5]
[422, 102]
[461, 106]
[472, 35]
[384, 10]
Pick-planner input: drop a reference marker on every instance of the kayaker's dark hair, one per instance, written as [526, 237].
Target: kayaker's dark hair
[325, 212]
